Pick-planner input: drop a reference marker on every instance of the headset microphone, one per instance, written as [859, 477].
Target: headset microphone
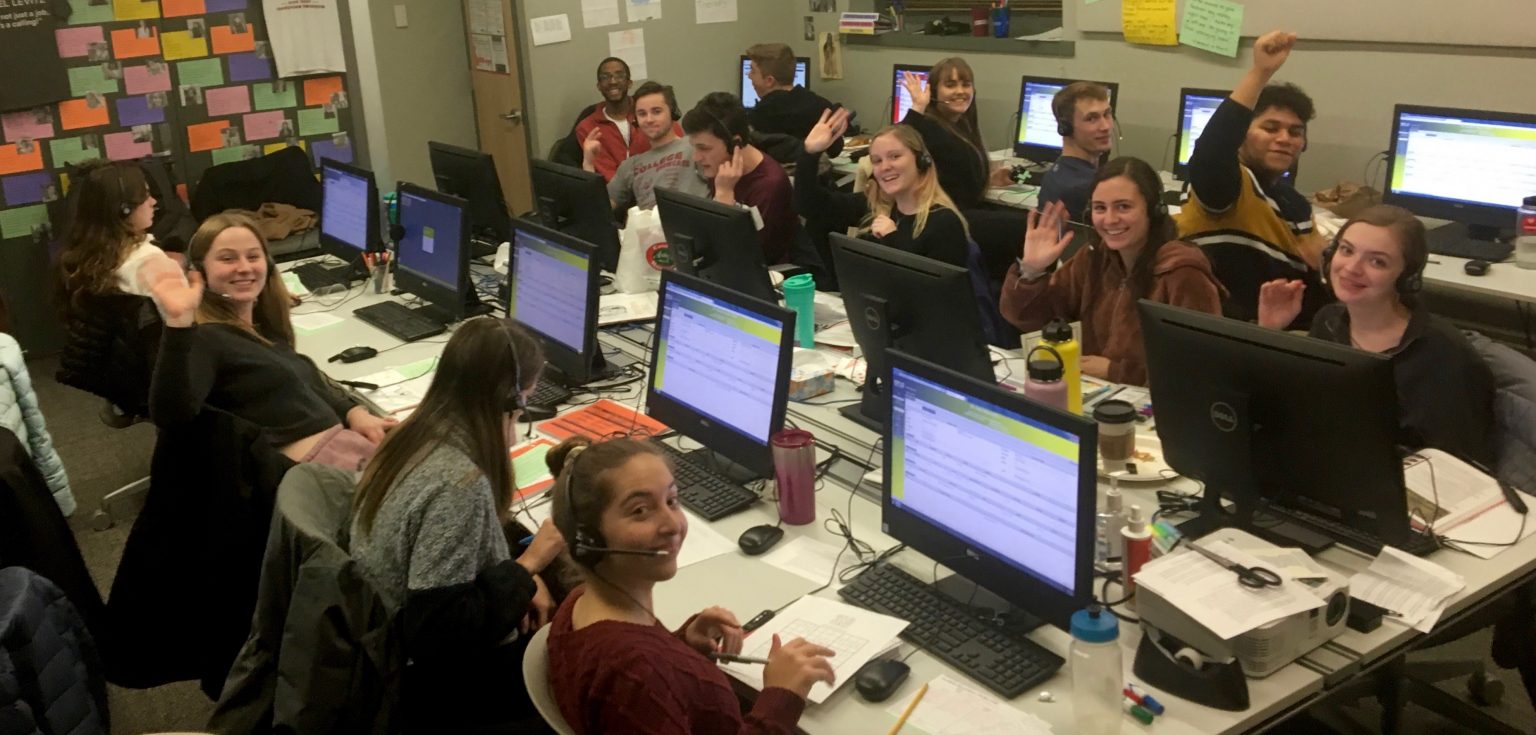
[584, 548]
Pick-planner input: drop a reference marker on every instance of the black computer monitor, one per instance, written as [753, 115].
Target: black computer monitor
[432, 257]
[1196, 106]
[749, 95]
[999, 488]
[900, 100]
[715, 241]
[1038, 137]
[553, 291]
[921, 306]
[720, 369]
[471, 175]
[1469, 166]
[349, 212]
[576, 202]
[1270, 418]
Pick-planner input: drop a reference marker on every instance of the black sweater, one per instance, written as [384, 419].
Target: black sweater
[963, 169]
[791, 112]
[827, 210]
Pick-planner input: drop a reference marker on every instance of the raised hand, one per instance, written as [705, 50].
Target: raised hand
[1280, 302]
[917, 89]
[178, 301]
[828, 129]
[590, 148]
[1271, 50]
[1043, 245]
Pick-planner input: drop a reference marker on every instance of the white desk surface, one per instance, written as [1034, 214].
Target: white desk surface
[746, 586]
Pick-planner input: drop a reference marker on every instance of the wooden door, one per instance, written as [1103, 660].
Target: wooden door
[490, 26]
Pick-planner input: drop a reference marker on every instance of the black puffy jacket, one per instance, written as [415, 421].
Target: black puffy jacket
[50, 674]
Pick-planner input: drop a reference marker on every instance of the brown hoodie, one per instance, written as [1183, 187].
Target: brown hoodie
[1096, 291]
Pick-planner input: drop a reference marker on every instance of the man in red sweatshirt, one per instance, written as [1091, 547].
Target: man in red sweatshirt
[611, 132]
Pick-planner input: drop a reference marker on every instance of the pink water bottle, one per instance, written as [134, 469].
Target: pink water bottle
[794, 466]
[1045, 384]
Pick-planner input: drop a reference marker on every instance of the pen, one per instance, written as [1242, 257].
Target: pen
[526, 540]
[1143, 698]
[732, 658]
[1510, 496]
[1137, 711]
[908, 711]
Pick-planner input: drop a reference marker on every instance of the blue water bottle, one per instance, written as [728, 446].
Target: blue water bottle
[800, 296]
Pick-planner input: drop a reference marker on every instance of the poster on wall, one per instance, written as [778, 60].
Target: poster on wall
[305, 36]
[27, 42]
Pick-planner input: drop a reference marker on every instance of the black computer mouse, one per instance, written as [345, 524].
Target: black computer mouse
[1476, 267]
[353, 354]
[758, 539]
[879, 679]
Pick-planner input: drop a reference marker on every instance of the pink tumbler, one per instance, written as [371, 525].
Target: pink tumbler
[794, 466]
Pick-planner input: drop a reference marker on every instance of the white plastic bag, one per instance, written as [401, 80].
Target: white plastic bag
[640, 243]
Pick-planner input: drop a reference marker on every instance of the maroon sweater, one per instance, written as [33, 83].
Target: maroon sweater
[615, 677]
[767, 188]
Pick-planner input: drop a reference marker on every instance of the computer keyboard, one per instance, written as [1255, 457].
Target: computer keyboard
[316, 276]
[1005, 663]
[709, 494]
[1417, 544]
[546, 393]
[399, 321]
[1493, 252]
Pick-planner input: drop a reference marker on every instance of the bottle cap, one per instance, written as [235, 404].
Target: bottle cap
[1136, 522]
[802, 281]
[1045, 370]
[1057, 330]
[1112, 500]
[1093, 625]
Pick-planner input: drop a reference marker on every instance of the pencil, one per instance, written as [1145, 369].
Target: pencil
[908, 711]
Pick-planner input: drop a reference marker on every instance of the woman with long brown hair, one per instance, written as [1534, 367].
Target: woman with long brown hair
[108, 248]
[944, 112]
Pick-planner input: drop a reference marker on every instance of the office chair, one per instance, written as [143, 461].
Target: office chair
[536, 678]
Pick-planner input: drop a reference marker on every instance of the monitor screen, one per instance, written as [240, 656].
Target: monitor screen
[1195, 110]
[1461, 156]
[432, 239]
[549, 288]
[344, 206]
[900, 100]
[749, 95]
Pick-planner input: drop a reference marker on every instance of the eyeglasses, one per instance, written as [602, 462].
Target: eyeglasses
[618, 76]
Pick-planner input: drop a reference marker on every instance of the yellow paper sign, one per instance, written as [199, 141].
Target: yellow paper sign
[1151, 22]
[181, 45]
[135, 9]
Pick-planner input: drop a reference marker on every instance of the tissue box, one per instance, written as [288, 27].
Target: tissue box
[811, 375]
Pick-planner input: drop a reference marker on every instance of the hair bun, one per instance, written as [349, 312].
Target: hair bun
[564, 453]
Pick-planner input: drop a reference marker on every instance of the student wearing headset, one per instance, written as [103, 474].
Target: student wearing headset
[944, 112]
[1133, 254]
[108, 248]
[233, 351]
[740, 174]
[428, 529]
[1087, 126]
[667, 163]
[1375, 268]
[612, 666]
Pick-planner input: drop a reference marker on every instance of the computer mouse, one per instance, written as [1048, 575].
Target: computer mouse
[353, 354]
[1476, 267]
[879, 679]
[758, 539]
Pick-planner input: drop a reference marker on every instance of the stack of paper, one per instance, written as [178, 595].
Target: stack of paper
[1414, 590]
[621, 308]
[953, 708]
[1211, 594]
[401, 388]
[856, 634]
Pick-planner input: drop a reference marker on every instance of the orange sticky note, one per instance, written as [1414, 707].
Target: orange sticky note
[318, 91]
[76, 114]
[126, 43]
[228, 42]
[12, 162]
[206, 136]
[179, 8]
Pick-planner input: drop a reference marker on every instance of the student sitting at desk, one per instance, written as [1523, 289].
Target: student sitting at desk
[1242, 209]
[428, 526]
[612, 125]
[944, 112]
[612, 666]
[782, 106]
[1134, 254]
[1087, 126]
[740, 174]
[1375, 268]
[667, 163]
[234, 352]
[108, 248]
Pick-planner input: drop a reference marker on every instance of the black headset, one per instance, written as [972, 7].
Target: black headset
[516, 401]
[1407, 284]
[924, 161]
[587, 547]
[723, 131]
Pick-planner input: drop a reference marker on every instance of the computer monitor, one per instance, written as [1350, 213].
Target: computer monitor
[553, 291]
[471, 175]
[714, 241]
[432, 257]
[349, 212]
[749, 95]
[1038, 137]
[921, 306]
[1196, 106]
[1273, 419]
[900, 100]
[999, 488]
[576, 202]
[1469, 166]
[720, 369]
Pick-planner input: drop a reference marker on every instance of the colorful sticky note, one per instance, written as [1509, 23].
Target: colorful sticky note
[181, 45]
[22, 221]
[238, 153]
[26, 188]
[77, 114]
[122, 146]
[75, 42]
[135, 9]
[271, 148]
[225, 6]
[319, 91]
[83, 12]
[205, 73]
[312, 121]
[206, 136]
[126, 43]
[227, 101]
[13, 161]
[1212, 25]
[146, 78]
[248, 67]
[32, 124]
[180, 8]
[327, 148]
[67, 151]
[226, 41]
[264, 125]
[84, 79]
[268, 98]
[133, 111]
[1149, 21]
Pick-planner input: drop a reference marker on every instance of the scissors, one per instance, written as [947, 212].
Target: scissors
[1251, 577]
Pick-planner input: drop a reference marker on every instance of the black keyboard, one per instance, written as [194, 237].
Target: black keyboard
[316, 276]
[709, 494]
[1493, 252]
[399, 321]
[1417, 544]
[1005, 663]
[546, 393]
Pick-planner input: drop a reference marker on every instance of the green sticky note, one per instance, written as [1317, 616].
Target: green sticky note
[267, 98]
[411, 371]
[84, 79]
[312, 121]
[201, 73]
[72, 150]
[20, 222]
[88, 11]
[528, 468]
[1212, 25]
[238, 153]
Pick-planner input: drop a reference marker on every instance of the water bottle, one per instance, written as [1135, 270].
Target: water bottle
[794, 468]
[800, 297]
[1096, 671]
[1044, 384]
[1525, 234]
[1058, 334]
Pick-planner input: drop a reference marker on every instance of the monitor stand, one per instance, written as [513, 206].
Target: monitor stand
[706, 457]
[966, 592]
[856, 412]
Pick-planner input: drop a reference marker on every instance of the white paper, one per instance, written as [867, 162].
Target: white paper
[856, 634]
[702, 542]
[550, 29]
[639, 10]
[951, 707]
[619, 308]
[1211, 594]
[1460, 491]
[630, 46]
[1415, 590]
[1289, 562]
[599, 13]
[1497, 529]
[714, 11]
[808, 558]
[485, 18]
[312, 322]
[396, 393]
